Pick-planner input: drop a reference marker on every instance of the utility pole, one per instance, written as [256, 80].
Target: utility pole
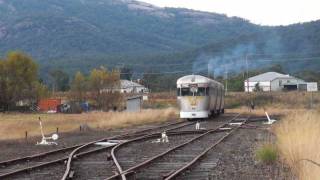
[247, 73]
[226, 86]
[247, 67]
[311, 100]
[210, 74]
[208, 70]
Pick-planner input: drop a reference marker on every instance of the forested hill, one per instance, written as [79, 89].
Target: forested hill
[81, 34]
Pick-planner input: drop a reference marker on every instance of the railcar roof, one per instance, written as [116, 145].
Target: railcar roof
[189, 79]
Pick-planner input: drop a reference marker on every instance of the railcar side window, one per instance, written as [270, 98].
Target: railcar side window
[186, 92]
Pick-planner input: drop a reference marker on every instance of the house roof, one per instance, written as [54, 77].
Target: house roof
[129, 84]
[269, 76]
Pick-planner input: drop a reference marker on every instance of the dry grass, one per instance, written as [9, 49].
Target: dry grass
[13, 126]
[298, 138]
[274, 111]
[161, 100]
[286, 100]
[262, 100]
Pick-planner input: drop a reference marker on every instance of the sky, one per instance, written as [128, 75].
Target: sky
[264, 12]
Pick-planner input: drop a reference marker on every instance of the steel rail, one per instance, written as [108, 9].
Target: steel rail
[42, 165]
[123, 173]
[71, 156]
[136, 139]
[197, 158]
[35, 156]
[52, 162]
[44, 154]
[61, 160]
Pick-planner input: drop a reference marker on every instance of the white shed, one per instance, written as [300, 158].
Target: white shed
[134, 104]
[273, 81]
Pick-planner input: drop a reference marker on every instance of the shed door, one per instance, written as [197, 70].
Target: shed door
[290, 87]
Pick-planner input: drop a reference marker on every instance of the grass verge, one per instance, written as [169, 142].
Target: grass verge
[298, 140]
[14, 126]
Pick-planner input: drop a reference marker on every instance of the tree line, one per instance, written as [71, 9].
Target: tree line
[19, 81]
[101, 87]
[21, 85]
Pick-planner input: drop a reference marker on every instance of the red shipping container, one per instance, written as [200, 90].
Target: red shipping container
[46, 105]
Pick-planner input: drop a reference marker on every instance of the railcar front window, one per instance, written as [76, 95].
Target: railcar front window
[186, 92]
[200, 92]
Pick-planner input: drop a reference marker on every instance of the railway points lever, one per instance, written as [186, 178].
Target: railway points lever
[44, 140]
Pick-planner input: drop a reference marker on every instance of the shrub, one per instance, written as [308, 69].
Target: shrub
[267, 153]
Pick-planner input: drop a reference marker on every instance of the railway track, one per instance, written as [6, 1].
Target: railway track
[174, 160]
[183, 130]
[25, 164]
[69, 172]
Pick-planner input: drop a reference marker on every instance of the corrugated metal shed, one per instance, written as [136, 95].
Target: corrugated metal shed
[269, 76]
[273, 81]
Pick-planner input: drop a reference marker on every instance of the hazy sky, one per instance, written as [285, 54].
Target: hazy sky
[266, 12]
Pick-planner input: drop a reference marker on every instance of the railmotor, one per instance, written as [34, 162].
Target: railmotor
[199, 97]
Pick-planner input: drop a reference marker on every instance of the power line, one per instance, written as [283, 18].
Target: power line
[164, 65]
[287, 59]
[190, 71]
[168, 72]
[205, 62]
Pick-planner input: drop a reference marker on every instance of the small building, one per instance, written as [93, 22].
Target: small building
[134, 104]
[132, 87]
[273, 81]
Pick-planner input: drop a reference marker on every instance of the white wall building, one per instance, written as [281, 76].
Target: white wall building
[273, 81]
[132, 87]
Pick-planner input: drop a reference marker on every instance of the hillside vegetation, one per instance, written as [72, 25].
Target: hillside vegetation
[81, 35]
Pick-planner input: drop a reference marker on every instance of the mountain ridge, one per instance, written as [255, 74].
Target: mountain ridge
[92, 32]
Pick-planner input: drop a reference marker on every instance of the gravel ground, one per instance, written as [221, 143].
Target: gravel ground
[232, 159]
[235, 159]
[94, 167]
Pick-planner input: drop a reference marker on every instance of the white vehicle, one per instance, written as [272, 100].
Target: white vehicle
[199, 97]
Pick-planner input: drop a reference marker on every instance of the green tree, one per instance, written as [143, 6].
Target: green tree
[39, 90]
[79, 87]
[19, 80]
[103, 86]
[126, 73]
[60, 80]
[3, 85]
[276, 68]
[22, 72]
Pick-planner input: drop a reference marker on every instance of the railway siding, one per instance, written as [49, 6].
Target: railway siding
[176, 159]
